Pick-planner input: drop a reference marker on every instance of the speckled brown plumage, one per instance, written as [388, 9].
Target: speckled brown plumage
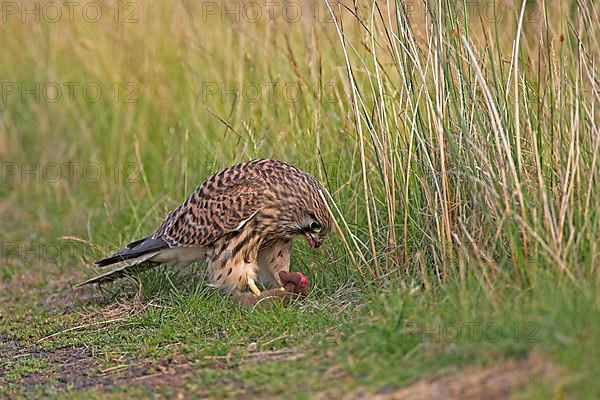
[241, 222]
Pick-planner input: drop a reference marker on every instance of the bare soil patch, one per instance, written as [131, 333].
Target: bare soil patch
[496, 382]
[75, 368]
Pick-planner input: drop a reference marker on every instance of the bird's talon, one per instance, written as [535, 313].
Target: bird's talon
[254, 288]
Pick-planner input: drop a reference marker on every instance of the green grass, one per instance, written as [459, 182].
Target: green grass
[385, 339]
[461, 160]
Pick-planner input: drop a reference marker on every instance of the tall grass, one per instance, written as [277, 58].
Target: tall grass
[452, 140]
[475, 155]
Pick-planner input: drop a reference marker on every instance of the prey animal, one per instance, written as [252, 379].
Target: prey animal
[240, 223]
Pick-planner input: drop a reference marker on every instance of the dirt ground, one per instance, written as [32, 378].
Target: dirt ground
[496, 382]
[75, 368]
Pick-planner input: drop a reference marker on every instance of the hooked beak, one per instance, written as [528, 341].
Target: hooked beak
[313, 241]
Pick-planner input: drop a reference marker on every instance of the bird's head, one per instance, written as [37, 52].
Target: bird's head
[315, 226]
[302, 210]
[312, 218]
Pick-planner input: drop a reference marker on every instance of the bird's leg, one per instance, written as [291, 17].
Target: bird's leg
[250, 256]
[271, 260]
[254, 288]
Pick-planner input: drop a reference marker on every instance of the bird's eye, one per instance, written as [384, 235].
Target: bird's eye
[315, 226]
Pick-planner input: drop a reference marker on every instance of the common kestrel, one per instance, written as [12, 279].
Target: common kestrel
[241, 223]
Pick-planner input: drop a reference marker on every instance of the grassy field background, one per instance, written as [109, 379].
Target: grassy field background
[459, 142]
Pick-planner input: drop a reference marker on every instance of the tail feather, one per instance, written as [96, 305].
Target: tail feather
[141, 264]
[134, 250]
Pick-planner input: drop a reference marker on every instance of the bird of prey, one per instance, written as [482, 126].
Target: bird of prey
[241, 223]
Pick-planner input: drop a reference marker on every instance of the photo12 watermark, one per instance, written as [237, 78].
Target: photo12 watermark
[53, 12]
[69, 92]
[491, 11]
[33, 252]
[252, 92]
[491, 332]
[266, 11]
[68, 172]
